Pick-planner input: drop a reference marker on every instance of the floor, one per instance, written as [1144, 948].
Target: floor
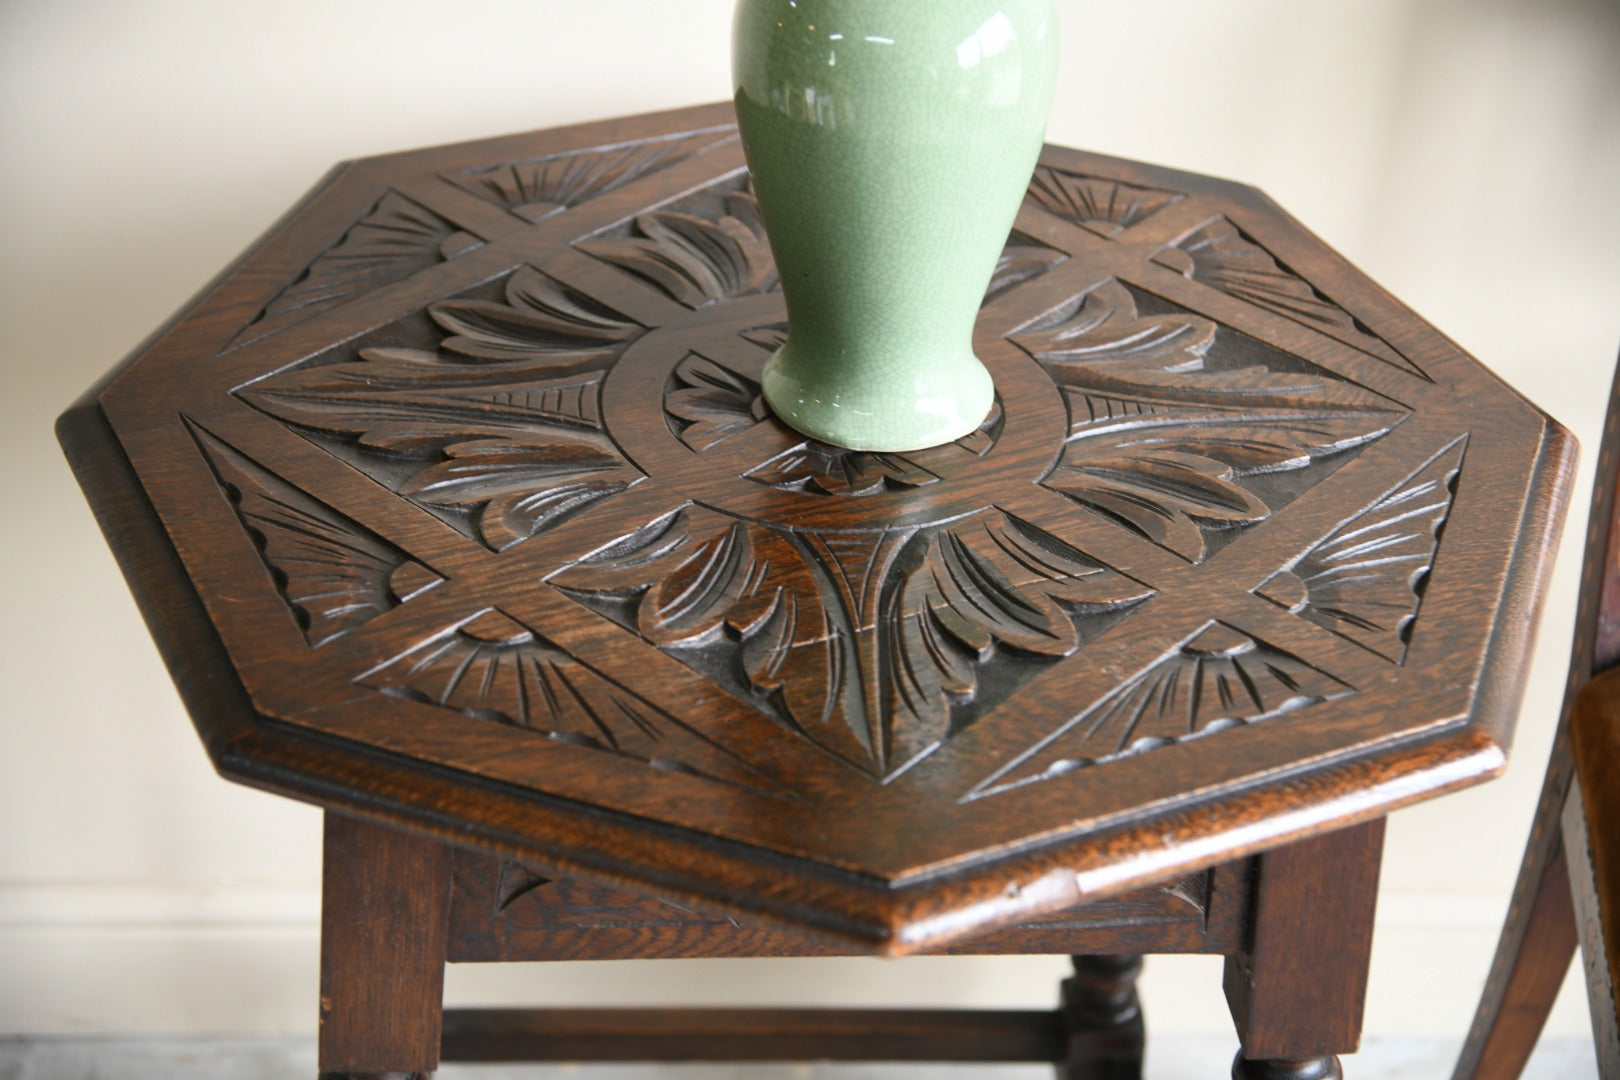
[1184, 1058]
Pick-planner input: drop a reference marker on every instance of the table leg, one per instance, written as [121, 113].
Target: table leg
[385, 904]
[1102, 1017]
[1298, 988]
[1326, 1067]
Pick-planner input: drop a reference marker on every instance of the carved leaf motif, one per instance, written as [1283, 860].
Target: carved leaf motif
[803, 615]
[504, 416]
[986, 581]
[694, 260]
[495, 669]
[770, 337]
[1021, 260]
[1220, 256]
[1161, 437]
[1365, 579]
[539, 320]
[537, 189]
[820, 468]
[1218, 679]
[518, 488]
[720, 578]
[1106, 207]
[397, 238]
[334, 573]
[823, 469]
[710, 402]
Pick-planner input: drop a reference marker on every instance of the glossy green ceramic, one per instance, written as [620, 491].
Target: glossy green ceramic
[890, 143]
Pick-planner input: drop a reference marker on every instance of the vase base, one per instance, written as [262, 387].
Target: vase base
[927, 411]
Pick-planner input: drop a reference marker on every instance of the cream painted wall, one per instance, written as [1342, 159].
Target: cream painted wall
[1466, 153]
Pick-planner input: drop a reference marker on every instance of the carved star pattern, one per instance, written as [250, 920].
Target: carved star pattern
[876, 645]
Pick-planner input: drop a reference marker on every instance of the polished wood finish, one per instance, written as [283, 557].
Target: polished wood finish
[1096, 1035]
[1319, 1068]
[453, 507]
[1592, 831]
[1103, 1017]
[1547, 918]
[471, 475]
[1314, 898]
[752, 1035]
[1593, 902]
[385, 898]
[504, 910]
[1521, 996]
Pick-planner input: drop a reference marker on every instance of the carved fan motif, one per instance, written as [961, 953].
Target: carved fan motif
[1219, 678]
[1166, 432]
[864, 639]
[395, 240]
[503, 420]
[1187, 899]
[516, 882]
[823, 469]
[535, 190]
[819, 468]
[1105, 207]
[1220, 256]
[695, 260]
[494, 668]
[334, 574]
[707, 403]
[568, 904]
[1365, 579]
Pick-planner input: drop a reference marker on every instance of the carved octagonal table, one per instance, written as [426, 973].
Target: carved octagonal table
[455, 509]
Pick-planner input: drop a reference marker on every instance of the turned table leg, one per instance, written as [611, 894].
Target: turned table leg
[1298, 987]
[1325, 1067]
[1103, 1019]
[385, 898]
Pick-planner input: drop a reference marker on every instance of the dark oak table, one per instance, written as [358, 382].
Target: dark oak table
[454, 508]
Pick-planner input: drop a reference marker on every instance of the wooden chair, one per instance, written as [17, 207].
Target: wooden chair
[1568, 890]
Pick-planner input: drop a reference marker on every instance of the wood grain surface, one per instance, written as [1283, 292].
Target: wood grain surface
[1555, 903]
[453, 506]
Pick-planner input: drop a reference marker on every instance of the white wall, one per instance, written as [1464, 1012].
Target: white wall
[1466, 153]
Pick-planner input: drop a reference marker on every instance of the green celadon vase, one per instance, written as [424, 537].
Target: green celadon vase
[890, 144]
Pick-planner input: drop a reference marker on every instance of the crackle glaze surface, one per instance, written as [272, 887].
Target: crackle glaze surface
[890, 145]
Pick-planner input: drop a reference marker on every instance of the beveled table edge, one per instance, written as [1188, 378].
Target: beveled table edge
[892, 918]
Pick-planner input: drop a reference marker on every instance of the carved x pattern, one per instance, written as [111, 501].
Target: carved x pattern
[491, 596]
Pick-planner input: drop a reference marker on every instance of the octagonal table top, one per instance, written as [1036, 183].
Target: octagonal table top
[454, 504]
